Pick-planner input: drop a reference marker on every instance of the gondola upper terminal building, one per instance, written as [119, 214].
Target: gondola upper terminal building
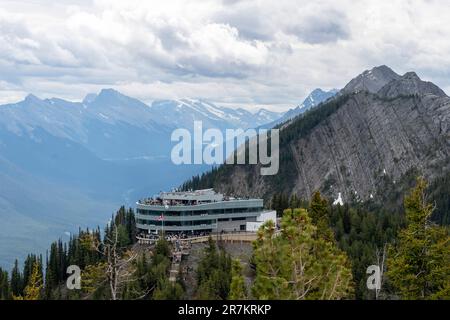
[200, 211]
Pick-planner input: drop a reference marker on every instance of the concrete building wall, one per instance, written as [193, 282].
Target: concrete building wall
[231, 226]
[260, 220]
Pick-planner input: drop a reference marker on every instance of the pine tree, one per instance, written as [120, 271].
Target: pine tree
[143, 285]
[320, 216]
[168, 291]
[131, 226]
[16, 280]
[4, 285]
[94, 281]
[33, 290]
[238, 291]
[418, 267]
[297, 264]
[280, 202]
[214, 273]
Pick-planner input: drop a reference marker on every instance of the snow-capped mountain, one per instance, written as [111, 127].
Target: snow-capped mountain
[113, 125]
[182, 114]
[316, 97]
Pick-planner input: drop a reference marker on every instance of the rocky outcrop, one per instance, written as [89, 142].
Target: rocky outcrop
[371, 80]
[410, 84]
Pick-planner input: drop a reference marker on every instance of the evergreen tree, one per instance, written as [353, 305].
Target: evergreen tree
[16, 280]
[4, 285]
[318, 210]
[94, 281]
[143, 285]
[419, 264]
[367, 230]
[131, 226]
[280, 202]
[213, 273]
[33, 290]
[297, 264]
[79, 251]
[168, 291]
[238, 290]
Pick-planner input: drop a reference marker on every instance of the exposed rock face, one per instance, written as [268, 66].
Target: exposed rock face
[371, 80]
[370, 136]
[410, 84]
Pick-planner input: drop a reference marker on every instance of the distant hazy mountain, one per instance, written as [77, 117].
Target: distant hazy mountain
[316, 97]
[69, 164]
[112, 125]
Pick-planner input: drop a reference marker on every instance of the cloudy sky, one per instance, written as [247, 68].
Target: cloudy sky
[236, 53]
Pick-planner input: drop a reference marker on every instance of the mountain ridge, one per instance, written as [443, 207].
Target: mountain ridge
[316, 97]
[353, 143]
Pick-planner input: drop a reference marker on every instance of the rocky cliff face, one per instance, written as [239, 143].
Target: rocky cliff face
[369, 138]
[357, 141]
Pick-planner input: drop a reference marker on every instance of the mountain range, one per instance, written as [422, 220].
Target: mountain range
[380, 131]
[65, 165]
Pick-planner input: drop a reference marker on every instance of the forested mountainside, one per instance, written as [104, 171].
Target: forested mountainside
[379, 130]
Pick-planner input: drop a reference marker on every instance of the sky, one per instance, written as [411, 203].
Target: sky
[236, 53]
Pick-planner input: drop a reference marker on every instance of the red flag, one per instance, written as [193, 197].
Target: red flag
[161, 218]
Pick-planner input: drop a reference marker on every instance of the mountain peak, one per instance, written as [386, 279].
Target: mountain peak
[109, 92]
[106, 95]
[411, 75]
[371, 80]
[109, 97]
[32, 98]
[316, 91]
[315, 97]
[409, 84]
[383, 68]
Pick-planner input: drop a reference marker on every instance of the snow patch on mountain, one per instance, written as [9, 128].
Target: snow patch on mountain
[338, 200]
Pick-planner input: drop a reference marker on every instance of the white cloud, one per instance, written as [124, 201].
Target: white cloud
[232, 52]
